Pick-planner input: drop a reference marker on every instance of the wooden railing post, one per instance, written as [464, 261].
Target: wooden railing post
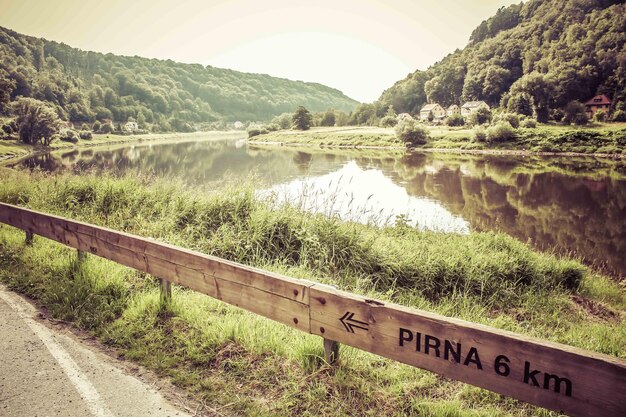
[29, 237]
[331, 347]
[166, 291]
[80, 256]
[331, 351]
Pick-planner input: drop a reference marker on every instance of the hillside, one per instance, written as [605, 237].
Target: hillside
[544, 52]
[84, 86]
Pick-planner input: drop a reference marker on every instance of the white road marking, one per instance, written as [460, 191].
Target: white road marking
[84, 387]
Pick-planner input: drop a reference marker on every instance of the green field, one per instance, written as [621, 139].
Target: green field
[609, 138]
[242, 364]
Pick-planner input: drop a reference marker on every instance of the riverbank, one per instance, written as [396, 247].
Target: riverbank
[245, 365]
[14, 149]
[607, 140]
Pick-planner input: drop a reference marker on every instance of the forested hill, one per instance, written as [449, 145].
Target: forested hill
[547, 51]
[83, 86]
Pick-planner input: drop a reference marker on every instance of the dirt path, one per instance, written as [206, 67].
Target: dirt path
[47, 371]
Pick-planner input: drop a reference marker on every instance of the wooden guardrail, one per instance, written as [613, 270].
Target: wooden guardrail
[550, 375]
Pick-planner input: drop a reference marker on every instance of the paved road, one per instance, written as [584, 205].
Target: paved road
[46, 371]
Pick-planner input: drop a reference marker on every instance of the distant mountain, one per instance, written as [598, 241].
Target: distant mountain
[547, 52]
[84, 86]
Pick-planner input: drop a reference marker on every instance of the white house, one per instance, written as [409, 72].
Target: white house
[435, 109]
[453, 109]
[471, 106]
[131, 127]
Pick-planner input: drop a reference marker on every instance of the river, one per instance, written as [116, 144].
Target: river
[572, 205]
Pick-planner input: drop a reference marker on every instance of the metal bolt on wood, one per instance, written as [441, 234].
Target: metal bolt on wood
[331, 351]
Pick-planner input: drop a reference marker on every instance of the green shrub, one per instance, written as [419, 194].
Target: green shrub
[575, 113]
[69, 135]
[529, 123]
[106, 128]
[600, 116]
[511, 118]
[479, 134]
[85, 134]
[501, 132]
[388, 121]
[455, 120]
[409, 131]
[479, 117]
[619, 116]
[96, 126]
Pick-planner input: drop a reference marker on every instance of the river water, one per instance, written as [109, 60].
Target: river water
[574, 205]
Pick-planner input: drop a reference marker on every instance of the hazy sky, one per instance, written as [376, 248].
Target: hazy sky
[360, 47]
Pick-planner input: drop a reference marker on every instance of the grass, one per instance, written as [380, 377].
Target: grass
[242, 364]
[606, 138]
[14, 148]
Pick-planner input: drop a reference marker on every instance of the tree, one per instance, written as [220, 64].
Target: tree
[328, 119]
[37, 122]
[520, 104]
[7, 85]
[575, 113]
[455, 120]
[409, 131]
[302, 119]
[540, 88]
[480, 116]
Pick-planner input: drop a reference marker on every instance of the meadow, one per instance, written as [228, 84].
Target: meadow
[241, 364]
[607, 138]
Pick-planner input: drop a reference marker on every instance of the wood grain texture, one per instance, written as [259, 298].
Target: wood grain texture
[271, 295]
[597, 382]
[550, 375]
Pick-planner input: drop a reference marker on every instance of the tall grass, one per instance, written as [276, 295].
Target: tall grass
[248, 365]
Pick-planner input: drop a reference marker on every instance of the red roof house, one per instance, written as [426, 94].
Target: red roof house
[600, 102]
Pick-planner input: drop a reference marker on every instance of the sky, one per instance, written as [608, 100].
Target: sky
[360, 47]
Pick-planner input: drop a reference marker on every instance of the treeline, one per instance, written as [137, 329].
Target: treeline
[543, 52]
[84, 87]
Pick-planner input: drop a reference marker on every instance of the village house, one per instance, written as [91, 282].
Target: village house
[131, 127]
[435, 109]
[453, 109]
[600, 102]
[471, 106]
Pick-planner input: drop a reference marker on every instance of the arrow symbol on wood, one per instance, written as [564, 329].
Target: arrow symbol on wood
[350, 324]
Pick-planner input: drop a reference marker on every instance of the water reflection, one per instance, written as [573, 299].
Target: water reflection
[366, 195]
[573, 205]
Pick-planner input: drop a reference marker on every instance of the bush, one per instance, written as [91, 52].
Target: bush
[69, 135]
[96, 126]
[455, 120]
[272, 127]
[511, 118]
[254, 131]
[481, 116]
[600, 116]
[575, 113]
[388, 121]
[106, 128]
[619, 116]
[529, 123]
[410, 132]
[480, 135]
[501, 132]
[85, 134]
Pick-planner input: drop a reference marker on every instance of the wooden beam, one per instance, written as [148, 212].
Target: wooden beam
[271, 295]
[550, 375]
